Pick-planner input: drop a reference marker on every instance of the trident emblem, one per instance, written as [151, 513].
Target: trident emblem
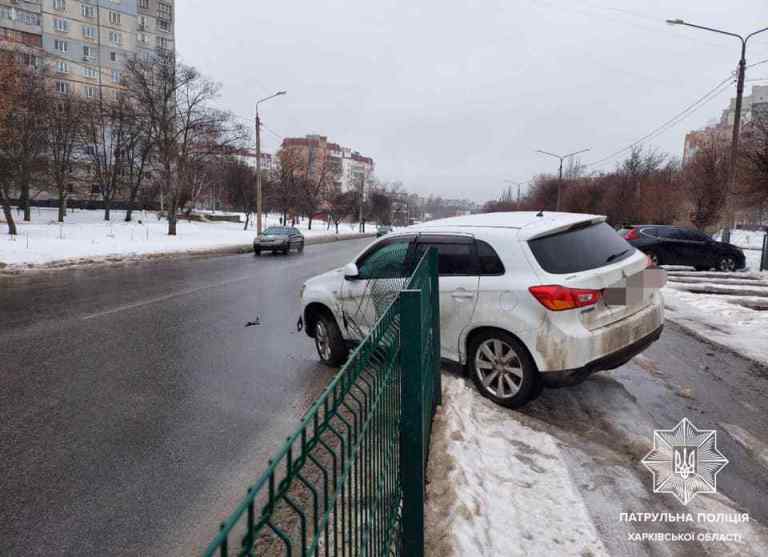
[685, 461]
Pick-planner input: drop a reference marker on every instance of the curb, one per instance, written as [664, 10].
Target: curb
[20, 269]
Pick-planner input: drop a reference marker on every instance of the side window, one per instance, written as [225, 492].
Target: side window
[386, 261]
[490, 264]
[652, 232]
[455, 256]
[678, 234]
[696, 236]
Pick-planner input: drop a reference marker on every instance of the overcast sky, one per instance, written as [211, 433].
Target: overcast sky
[452, 97]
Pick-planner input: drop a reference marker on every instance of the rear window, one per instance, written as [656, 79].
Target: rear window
[580, 249]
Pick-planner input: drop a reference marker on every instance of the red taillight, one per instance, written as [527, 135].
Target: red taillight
[631, 234]
[558, 298]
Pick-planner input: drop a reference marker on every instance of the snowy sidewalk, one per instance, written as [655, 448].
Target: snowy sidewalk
[497, 487]
[729, 309]
[85, 238]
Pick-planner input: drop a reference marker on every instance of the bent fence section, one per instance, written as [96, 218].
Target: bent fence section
[350, 480]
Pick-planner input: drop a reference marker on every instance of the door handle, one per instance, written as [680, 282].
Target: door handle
[458, 294]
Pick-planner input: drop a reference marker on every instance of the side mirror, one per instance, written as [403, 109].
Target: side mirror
[351, 272]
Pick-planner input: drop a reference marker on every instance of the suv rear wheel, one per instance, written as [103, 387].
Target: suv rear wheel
[502, 369]
[328, 342]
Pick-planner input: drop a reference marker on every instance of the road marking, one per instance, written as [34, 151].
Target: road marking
[162, 298]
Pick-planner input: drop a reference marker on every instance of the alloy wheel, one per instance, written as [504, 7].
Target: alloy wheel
[727, 264]
[322, 341]
[499, 368]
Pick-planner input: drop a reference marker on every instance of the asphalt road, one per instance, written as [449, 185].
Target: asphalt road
[136, 406]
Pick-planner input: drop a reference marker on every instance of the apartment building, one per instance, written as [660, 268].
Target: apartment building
[21, 29]
[86, 43]
[752, 106]
[348, 167]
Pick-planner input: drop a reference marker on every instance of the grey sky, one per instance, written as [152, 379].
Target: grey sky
[452, 97]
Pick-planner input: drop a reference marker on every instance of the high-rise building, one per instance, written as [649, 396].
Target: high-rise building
[349, 168]
[86, 43]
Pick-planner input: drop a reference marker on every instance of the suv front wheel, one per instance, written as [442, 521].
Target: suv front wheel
[329, 342]
[502, 369]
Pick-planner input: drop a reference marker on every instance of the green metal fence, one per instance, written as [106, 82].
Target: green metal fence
[350, 480]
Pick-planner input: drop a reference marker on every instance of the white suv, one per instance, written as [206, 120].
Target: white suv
[526, 299]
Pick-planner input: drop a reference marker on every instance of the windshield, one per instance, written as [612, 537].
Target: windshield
[277, 231]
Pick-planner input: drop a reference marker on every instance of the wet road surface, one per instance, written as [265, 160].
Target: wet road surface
[136, 406]
[605, 427]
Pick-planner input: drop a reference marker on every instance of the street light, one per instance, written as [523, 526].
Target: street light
[562, 158]
[518, 184]
[259, 204]
[737, 116]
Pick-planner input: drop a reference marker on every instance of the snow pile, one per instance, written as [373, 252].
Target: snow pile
[730, 309]
[498, 487]
[85, 236]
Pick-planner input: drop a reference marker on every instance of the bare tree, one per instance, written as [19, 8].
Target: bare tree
[284, 194]
[341, 205]
[754, 166]
[238, 181]
[22, 139]
[175, 101]
[704, 181]
[64, 120]
[138, 155]
[108, 130]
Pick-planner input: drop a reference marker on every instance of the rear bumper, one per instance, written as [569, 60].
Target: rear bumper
[569, 377]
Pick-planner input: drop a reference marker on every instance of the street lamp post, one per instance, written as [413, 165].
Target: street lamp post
[259, 202]
[560, 176]
[518, 184]
[736, 117]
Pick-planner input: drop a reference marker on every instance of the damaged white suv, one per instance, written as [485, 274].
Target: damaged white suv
[526, 299]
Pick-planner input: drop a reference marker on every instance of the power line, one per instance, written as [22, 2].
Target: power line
[687, 111]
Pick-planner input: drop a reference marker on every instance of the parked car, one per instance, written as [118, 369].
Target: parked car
[521, 298]
[672, 245]
[279, 239]
[382, 230]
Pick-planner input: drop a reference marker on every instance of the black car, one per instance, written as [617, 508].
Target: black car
[672, 245]
[383, 230]
[279, 239]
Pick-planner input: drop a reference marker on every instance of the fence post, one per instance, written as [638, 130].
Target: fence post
[435, 303]
[764, 254]
[412, 423]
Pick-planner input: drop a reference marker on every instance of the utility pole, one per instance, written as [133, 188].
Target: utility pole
[259, 201]
[361, 223]
[560, 175]
[730, 207]
[518, 184]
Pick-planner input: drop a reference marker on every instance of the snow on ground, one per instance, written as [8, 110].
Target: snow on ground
[745, 239]
[497, 487]
[730, 309]
[85, 236]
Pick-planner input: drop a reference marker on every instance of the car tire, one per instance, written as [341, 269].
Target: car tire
[301, 247]
[726, 264]
[491, 363]
[256, 252]
[329, 343]
[655, 259]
